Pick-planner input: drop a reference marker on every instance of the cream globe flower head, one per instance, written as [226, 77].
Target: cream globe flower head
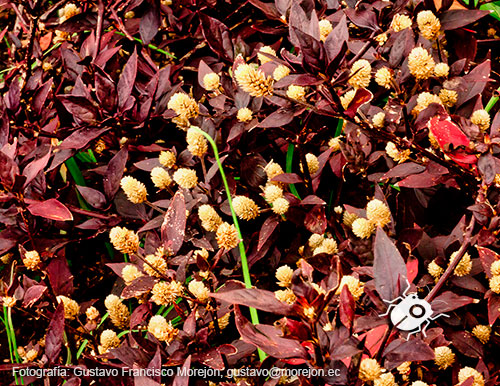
[284, 275]
[296, 92]
[160, 177]
[481, 118]
[443, 357]
[280, 72]
[245, 208]
[280, 206]
[428, 24]
[495, 268]
[362, 228]
[421, 63]
[161, 329]
[167, 158]
[197, 143]
[383, 77]
[184, 106]
[272, 192]
[211, 81]
[244, 114]
[134, 190]
[253, 81]
[378, 213]
[227, 236]
[369, 369]
[378, 120]
[124, 240]
[264, 58]
[360, 74]
[210, 219]
[441, 70]
[186, 178]
[325, 27]
[400, 22]
[468, 372]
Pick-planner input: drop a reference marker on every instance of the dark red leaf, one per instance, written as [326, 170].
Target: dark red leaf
[41, 96]
[127, 80]
[269, 9]
[466, 343]
[51, 209]
[336, 38]
[114, 173]
[8, 170]
[138, 287]
[105, 90]
[361, 97]
[54, 337]
[150, 22]
[82, 110]
[456, 18]
[315, 220]
[287, 178]
[312, 200]
[346, 307]
[487, 257]
[80, 138]
[487, 167]
[174, 224]
[181, 379]
[32, 295]
[93, 197]
[403, 170]
[422, 180]
[411, 350]
[493, 308]
[35, 167]
[279, 118]
[60, 277]
[217, 36]
[449, 301]
[267, 230]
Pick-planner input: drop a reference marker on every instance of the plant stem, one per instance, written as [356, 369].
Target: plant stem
[493, 100]
[244, 262]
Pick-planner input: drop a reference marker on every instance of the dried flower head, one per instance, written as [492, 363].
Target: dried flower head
[428, 24]
[31, 355]
[378, 213]
[349, 218]
[69, 11]
[158, 262]
[443, 357]
[280, 72]
[334, 143]
[160, 177]
[280, 206]
[315, 240]
[118, 312]
[199, 290]
[130, 273]
[31, 260]
[135, 191]
[356, 288]
[463, 268]
[211, 81]
[245, 208]
[184, 106]
[400, 22]
[441, 70]
[312, 164]
[482, 332]
[71, 307]
[404, 368]
[378, 120]
[468, 372]
[328, 246]
[369, 369]
[396, 154]
[186, 178]
[495, 268]
[284, 275]
[420, 63]
[210, 220]
[424, 100]
[161, 329]
[253, 81]
[166, 293]
[167, 158]
[109, 340]
[386, 379]
[495, 284]
[419, 383]
[346, 99]
[285, 296]
[267, 50]
[272, 170]
[383, 77]
[272, 192]
[434, 269]
[325, 27]
[362, 228]
[92, 313]
[360, 73]
[448, 97]
[296, 92]
[197, 143]
[124, 240]
[481, 118]
[244, 114]
[381, 38]
[227, 236]
[9, 301]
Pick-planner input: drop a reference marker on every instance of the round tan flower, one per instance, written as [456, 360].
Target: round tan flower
[463, 268]
[349, 218]
[109, 340]
[69, 11]
[158, 262]
[280, 72]
[118, 312]
[495, 268]
[210, 220]
[441, 70]
[360, 73]
[482, 332]
[267, 50]
[386, 379]
[325, 27]
[130, 273]
[272, 192]
[245, 208]
[404, 368]
[253, 81]
[468, 372]
[284, 275]
[186, 178]
[31, 260]
[167, 158]
[396, 154]
[420, 63]
[334, 144]
[124, 240]
[135, 191]
[428, 24]
[312, 164]
[160, 177]
[434, 269]
[92, 313]
[448, 97]
[161, 329]
[315, 240]
[184, 106]
[338, 209]
[285, 296]
[347, 98]
[328, 246]
[378, 120]
[296, 92]
[362, 228]
[356, 288]
[419, 383]
[495, 284]
[378, 213]
[443, 357]
[166, 293]
[211, 81]
[197, 143]
[227, 236]
[9, 301]
[280, 206]
[481, 118]
[71, 307]
[199, 290]
[381, 38]
[383, 77]
[244, 114]
[369, 369]
[400, 22]
[424, 100]
[223, 322]
[31, 355]
[272, 170]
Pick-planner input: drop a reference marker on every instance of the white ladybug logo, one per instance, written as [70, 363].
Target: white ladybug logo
[411, 314]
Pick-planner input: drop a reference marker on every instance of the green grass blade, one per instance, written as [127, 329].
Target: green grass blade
[288, 168]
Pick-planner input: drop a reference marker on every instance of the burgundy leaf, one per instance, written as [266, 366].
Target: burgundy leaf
[449, 301]
[346, 307]
[54, 337]
[150, 22]
[361, 97]
[93, 197]
[114, 173]
[457, 18]
[422, 180]
[288, 178]
[127, 80]
[403, 170]
[35, 167]
[389, 267]
[138, 287]
[312, 200]
[8, 170]
[81, 109]
[267, 230]
[487, 257]
[255, 298]
[181, 379]
[269, 9]
[41, 96]
[32, 295]
[315, 220]
[466, 343]
[217, 36]
[411, 350]
[493, 308]
[336, 38]
[80, 138]
[51, 209]
[174, 224]
[279, 118]
[105, 90]
[60, 277]
[487, 167]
